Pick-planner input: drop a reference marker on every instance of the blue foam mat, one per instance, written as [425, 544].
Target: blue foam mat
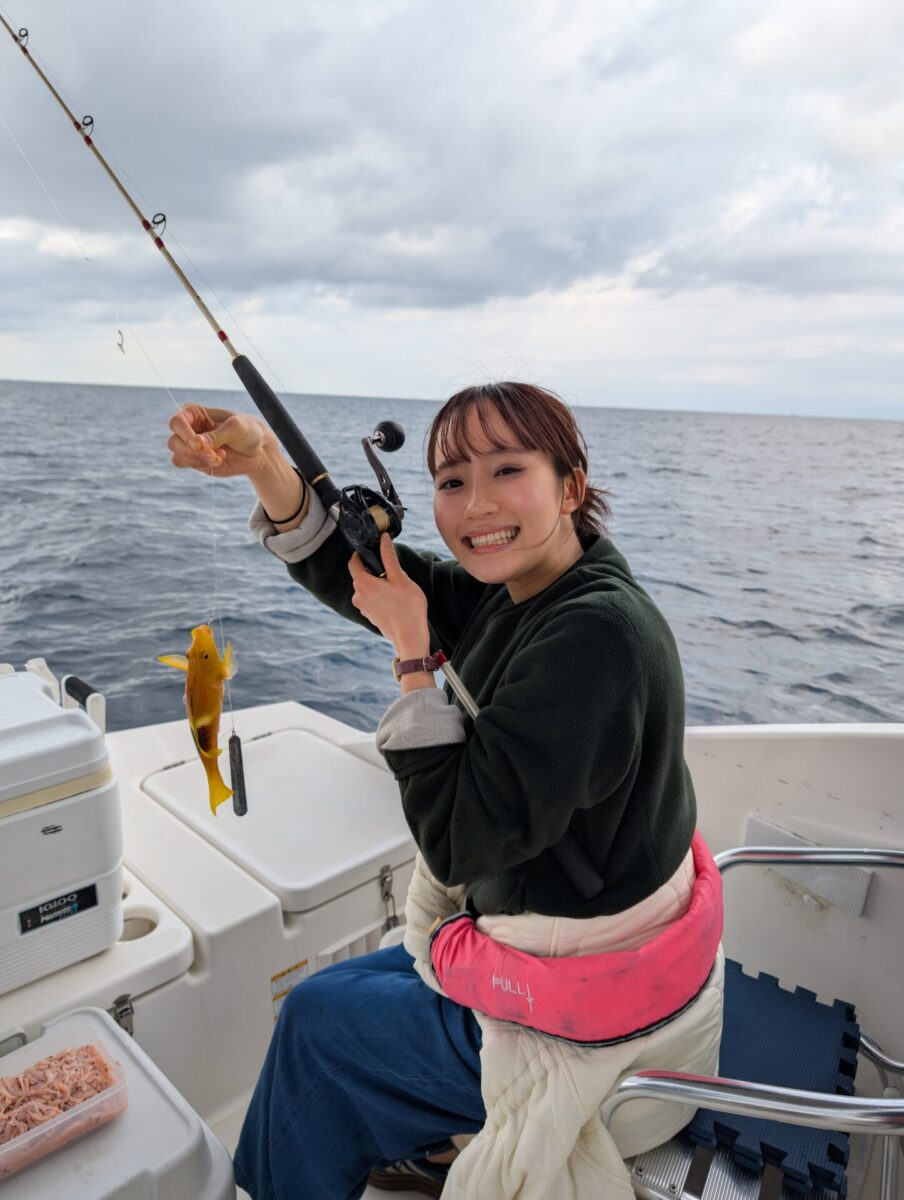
[790, 1039]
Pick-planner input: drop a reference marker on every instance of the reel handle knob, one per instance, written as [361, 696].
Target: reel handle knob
[389, 436]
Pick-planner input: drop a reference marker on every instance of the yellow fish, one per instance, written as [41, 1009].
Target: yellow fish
[207, 673]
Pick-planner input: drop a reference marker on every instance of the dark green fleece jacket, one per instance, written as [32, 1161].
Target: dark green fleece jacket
[580, 734]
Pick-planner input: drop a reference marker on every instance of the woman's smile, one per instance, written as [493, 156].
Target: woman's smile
[491, 541]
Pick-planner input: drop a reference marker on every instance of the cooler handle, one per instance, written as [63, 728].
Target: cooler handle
[75, 692]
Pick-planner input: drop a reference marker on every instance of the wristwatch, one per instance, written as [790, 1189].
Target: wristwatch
[431, 663]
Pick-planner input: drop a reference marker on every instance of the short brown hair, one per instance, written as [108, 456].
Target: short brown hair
[540, 421]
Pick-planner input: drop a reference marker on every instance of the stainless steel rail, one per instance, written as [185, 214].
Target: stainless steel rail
[791, 1106]
[795, 856]
[876, 1054]
[855, 1114]
[890, 1158]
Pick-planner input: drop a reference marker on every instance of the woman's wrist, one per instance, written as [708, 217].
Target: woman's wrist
[281, 491]
[415, 644]
[414, 681]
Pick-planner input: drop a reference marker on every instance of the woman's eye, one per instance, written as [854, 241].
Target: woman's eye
[509, 470]
[448, 484]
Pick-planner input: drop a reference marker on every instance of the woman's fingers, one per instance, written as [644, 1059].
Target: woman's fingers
[187, 424]
[183, 456]
[237, 432]
[206, 438]
[389, 558]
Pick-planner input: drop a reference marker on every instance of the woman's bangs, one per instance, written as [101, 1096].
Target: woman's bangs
[451, 443]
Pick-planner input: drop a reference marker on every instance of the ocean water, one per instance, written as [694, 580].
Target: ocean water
[774, 546]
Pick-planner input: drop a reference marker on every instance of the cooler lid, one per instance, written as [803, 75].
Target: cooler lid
[320, 820]
[42, 745]
[158, 1137]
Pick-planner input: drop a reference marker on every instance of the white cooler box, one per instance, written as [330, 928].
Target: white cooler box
[311, 875]
[320, 820]
[60, 834]
[156, 1148]
[154, 953]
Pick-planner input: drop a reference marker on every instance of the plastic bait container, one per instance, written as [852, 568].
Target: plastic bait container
[81, 1119]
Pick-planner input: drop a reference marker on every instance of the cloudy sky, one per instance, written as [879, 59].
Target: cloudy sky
[656, 203]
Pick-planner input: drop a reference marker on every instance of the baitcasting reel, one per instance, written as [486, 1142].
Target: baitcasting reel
[365, 514]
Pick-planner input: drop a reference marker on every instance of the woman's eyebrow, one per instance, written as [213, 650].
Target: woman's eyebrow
[448, 463]
[496, 450]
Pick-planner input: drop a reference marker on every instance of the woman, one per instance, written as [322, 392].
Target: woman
[561, 817]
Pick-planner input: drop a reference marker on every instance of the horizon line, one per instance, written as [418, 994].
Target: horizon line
[703, 412]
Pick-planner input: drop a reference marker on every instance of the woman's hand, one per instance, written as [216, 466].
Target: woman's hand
[219, 442]
[396, 605]
[223, 443]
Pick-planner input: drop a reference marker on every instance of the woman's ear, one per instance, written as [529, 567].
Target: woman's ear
[575, 486]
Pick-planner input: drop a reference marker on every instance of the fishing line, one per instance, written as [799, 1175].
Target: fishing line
[254, 383]
[121, 168]
[101, 279]
[98, 275]
[222, 303]
[71, 105]
[218, 613]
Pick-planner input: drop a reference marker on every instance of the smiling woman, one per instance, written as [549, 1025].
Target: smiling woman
[559, 817]
[512, 475]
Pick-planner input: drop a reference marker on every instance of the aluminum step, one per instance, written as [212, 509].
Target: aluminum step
[680, 1171]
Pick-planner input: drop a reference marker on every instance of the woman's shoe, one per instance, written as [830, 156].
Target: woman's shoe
[410, 1175]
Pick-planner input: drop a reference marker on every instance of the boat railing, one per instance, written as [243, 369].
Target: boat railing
[878, 1117]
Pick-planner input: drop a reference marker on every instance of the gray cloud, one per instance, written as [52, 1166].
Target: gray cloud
[399, 153]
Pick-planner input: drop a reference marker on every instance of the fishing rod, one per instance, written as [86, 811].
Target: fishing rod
[361, 514]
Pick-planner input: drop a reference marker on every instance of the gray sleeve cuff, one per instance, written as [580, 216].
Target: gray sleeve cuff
[295, 544]
[420, 719]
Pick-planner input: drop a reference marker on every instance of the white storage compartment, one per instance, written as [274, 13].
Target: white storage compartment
[60, 835]
[309, 876]
[158, 1147]
[320, 822]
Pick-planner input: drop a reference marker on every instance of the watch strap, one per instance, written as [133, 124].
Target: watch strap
[432, 662]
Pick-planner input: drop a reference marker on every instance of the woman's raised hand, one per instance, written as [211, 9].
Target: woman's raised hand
[219, 442]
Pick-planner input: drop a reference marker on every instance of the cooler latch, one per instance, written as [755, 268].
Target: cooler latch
[122, 1013]
[392, 919]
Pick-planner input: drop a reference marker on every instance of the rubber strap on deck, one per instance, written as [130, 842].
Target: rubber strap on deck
[790, 1039]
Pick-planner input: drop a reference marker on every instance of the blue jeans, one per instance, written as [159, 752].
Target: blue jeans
[367, 1065]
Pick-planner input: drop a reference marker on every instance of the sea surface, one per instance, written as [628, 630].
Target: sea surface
[774, 546]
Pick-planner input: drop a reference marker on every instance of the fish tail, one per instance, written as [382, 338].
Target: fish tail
[218, 789]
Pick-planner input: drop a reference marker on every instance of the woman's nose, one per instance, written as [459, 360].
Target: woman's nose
[480, 501]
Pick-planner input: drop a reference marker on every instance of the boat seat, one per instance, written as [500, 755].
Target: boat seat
[775, 1124]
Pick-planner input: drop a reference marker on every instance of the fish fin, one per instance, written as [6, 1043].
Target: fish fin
[218, 790]
[179, 661]
[229, 665]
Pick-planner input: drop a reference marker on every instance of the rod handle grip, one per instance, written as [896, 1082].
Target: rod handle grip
[293, 441]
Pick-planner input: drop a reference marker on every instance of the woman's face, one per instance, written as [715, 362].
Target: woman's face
[505, 514]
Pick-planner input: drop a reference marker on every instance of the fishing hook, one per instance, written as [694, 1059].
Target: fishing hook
[120, 342]
[23, 36]
[158, 221]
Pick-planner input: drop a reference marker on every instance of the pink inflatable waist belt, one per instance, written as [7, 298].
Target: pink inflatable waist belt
[592, 998]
